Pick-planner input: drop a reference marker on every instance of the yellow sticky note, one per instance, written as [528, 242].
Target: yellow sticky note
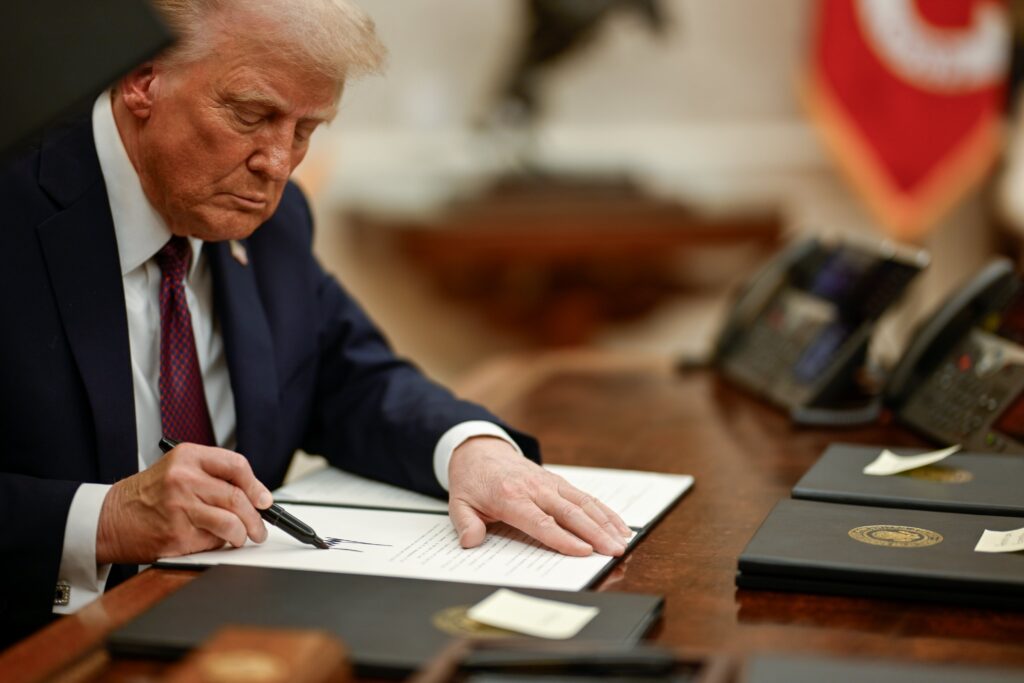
[889, 463]
[1000, 541]
[533, 616]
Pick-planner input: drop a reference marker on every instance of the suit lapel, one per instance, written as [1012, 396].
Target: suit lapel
[81, 254]
[250, 353]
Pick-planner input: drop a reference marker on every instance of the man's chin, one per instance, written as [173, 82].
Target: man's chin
[227, 225]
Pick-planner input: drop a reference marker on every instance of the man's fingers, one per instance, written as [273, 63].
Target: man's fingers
[233, 467]
[220, 523]
[526, 516]
[598, 511]
[468, 525]
[619, 523]
[576, 519]
[229, 497]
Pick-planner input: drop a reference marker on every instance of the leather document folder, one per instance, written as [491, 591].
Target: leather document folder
[391, 626]
[814, 547]
[964, 482]
[793, 669]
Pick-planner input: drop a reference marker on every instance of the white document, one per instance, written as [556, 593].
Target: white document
[638, 497]
[1000, 541]
[889, 463]
[413, 545]
[533, 616]
[331, 486]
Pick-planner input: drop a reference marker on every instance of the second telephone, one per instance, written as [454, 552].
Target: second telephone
[961, 379]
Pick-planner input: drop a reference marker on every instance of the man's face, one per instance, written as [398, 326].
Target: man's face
[223, 135]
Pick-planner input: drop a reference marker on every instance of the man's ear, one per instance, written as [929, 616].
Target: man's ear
[137, 90]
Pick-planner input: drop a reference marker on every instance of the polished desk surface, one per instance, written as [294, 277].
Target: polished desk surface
[590, 408]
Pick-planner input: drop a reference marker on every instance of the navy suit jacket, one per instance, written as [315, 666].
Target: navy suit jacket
[308, 369]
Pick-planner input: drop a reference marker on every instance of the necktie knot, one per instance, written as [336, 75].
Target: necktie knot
[174, 258]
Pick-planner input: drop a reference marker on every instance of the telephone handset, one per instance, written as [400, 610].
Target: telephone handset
[961, 378]
[798, 332]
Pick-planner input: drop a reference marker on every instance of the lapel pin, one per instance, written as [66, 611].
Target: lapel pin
[238, 252]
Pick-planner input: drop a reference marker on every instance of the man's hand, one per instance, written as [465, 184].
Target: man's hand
[194, 498]
[489, 481]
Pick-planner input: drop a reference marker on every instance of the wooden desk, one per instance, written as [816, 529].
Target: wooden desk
[596, 409]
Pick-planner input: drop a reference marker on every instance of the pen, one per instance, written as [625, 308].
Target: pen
[275, 514]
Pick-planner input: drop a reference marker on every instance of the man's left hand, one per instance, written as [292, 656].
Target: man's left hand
[489, 481]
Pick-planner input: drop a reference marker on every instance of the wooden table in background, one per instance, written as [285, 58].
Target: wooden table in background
[556, 259]
[638, 413]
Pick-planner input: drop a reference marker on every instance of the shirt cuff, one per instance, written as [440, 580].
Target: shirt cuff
[455, 437]
[79, 580]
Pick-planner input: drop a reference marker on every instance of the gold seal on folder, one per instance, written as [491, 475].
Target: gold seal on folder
[895, 536]
[454, 621]
[940, 474]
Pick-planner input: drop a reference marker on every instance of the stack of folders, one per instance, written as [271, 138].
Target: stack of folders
[391, 626]
[907, 536]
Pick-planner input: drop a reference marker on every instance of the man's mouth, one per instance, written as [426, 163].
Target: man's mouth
[249, 202]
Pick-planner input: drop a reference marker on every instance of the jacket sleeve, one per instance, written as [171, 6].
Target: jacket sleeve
[374, 413]
[35, 513]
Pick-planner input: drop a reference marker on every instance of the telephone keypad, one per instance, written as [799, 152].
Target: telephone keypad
[956, 404]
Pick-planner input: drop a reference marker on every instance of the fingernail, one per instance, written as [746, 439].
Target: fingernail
[265, 500]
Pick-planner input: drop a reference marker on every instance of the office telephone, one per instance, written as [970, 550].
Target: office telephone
[961, 378]
[799, 330]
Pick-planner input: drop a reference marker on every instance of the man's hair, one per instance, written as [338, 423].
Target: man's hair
[333, 37]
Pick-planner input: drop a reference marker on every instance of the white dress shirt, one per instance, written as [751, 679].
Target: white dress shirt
[140, 234]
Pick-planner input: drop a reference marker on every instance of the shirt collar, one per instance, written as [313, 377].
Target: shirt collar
[140, 231]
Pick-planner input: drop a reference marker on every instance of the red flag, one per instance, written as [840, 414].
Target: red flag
[908, 95]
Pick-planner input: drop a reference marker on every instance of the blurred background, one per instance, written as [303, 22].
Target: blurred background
[540, 173]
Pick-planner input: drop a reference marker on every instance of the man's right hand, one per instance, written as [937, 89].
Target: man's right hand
[194, 498]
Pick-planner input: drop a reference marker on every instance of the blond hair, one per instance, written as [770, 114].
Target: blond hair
[333, 37]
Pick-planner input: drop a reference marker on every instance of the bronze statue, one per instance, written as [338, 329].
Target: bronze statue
[557, 28]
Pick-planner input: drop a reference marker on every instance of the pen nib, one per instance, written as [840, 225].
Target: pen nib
[320, 543]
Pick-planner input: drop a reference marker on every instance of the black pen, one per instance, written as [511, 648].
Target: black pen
[275, 514]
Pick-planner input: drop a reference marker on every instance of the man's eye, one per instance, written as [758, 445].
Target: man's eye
[247, 118]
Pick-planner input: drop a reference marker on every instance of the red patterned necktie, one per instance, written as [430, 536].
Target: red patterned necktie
[183, 412]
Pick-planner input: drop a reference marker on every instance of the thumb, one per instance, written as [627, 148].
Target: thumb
[468, 524]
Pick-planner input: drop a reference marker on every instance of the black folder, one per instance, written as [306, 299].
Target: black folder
[792, 669]
[391, 626]
[964, 482]
[813, 547]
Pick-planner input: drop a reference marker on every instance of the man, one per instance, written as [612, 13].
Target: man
[158, 279]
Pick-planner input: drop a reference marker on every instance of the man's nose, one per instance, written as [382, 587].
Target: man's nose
[273, 159]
